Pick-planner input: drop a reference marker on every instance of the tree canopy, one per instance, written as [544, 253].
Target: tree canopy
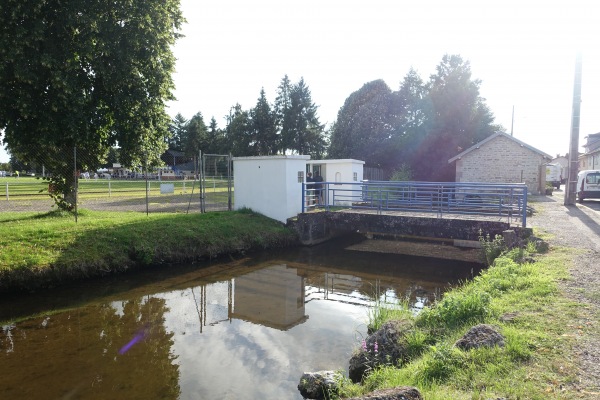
[367, 125]
[86, 74]
[459, 118]
[417, 128]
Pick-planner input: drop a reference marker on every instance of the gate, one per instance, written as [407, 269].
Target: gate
[216, 183]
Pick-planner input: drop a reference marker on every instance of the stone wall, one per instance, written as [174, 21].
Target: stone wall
[502, 160]
[318, 227]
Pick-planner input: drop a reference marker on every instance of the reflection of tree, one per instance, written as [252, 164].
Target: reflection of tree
[82, 348]
[146, 369]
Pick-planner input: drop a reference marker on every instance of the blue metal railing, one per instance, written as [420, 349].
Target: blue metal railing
[505, 200]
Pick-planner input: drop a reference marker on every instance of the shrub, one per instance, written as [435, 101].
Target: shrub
[491, 248]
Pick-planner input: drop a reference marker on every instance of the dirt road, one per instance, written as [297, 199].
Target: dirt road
[578, 227]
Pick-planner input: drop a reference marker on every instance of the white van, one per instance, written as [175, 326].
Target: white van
[588, 185]
[554, 175]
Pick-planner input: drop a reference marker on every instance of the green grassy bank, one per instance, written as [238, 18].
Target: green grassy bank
[41, 250]
[522, 299]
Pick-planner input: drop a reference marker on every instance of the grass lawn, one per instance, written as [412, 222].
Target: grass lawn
[44, 249]
[28, 188]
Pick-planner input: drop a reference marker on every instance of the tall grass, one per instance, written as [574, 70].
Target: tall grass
[537, 338]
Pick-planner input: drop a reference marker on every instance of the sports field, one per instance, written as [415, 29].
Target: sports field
[27, 193]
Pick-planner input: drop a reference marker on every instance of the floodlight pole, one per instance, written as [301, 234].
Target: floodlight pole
[571, 187]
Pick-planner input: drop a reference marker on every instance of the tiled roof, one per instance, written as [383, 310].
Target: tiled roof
[494, 136]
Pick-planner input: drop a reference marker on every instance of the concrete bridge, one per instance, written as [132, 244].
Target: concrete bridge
[456, 229]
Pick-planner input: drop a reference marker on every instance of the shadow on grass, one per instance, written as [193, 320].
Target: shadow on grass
[32, 216]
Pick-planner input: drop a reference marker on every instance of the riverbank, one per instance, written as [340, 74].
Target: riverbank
[546, 305]
[45, 250]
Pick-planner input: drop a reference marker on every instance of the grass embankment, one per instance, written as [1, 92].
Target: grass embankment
[523, 300]
[38, 250]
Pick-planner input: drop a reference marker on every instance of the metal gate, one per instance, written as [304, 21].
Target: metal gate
[216, 183]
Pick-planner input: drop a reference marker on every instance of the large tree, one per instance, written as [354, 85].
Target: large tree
[178, 133]
[301, 131]
[238, 133]
[367, 126]
[459, 118]
[86, 74]
[196, 138]
[282, 109]
[414, 122]
[216, 139]
[264, 125]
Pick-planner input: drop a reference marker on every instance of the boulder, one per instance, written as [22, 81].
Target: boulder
[398, 393]
[480, 335]
[385, 346]
[319, 385]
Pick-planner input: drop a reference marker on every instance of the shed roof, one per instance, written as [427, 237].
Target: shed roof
[494, 136]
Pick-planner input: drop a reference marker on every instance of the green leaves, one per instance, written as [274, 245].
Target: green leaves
[86, 74]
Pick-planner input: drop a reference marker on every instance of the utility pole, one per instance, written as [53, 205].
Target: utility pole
[571, 187]
[512, 122]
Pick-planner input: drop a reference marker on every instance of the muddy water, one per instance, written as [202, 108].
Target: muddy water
[242, 329]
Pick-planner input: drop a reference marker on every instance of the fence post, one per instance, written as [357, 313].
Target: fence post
[109, 192]
[76, 180]
[147, 182]
[229, 162]
[6, 191]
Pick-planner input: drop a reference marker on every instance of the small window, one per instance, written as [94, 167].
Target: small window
[300, 176]
[355, 177]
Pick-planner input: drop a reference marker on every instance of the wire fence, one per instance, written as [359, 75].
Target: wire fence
[202, 184]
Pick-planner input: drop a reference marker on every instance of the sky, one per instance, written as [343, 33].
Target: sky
[522, 51]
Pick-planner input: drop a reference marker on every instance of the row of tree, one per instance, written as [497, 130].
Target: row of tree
[289, 126]
[415, 129]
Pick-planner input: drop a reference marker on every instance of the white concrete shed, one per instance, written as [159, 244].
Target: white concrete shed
[270, 185]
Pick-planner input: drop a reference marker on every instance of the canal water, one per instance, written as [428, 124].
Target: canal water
[245, 328]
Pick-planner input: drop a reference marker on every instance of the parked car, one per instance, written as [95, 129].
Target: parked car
[588, 185]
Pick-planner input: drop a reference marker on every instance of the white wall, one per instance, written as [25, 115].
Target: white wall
[269, 185]
[341, 171]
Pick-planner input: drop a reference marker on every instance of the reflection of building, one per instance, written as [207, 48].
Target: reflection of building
[272, 297]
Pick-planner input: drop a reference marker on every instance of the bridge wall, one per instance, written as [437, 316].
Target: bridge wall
[318, 227]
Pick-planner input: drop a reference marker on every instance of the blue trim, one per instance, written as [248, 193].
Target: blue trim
[484, 199]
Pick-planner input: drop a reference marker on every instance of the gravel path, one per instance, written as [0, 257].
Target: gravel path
[578, 227]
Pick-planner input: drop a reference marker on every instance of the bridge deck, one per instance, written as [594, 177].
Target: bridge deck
[461, 217]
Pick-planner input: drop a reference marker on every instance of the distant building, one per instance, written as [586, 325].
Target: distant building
[563, 161]
[501, 158]
[590, 159]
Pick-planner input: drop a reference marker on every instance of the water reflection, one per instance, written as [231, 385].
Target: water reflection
[244, 329]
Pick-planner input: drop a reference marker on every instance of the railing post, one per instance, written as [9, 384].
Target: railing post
[524, 219]
[303, 195]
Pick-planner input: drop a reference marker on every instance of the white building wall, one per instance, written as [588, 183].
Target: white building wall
[269, 185]
[342, 170]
